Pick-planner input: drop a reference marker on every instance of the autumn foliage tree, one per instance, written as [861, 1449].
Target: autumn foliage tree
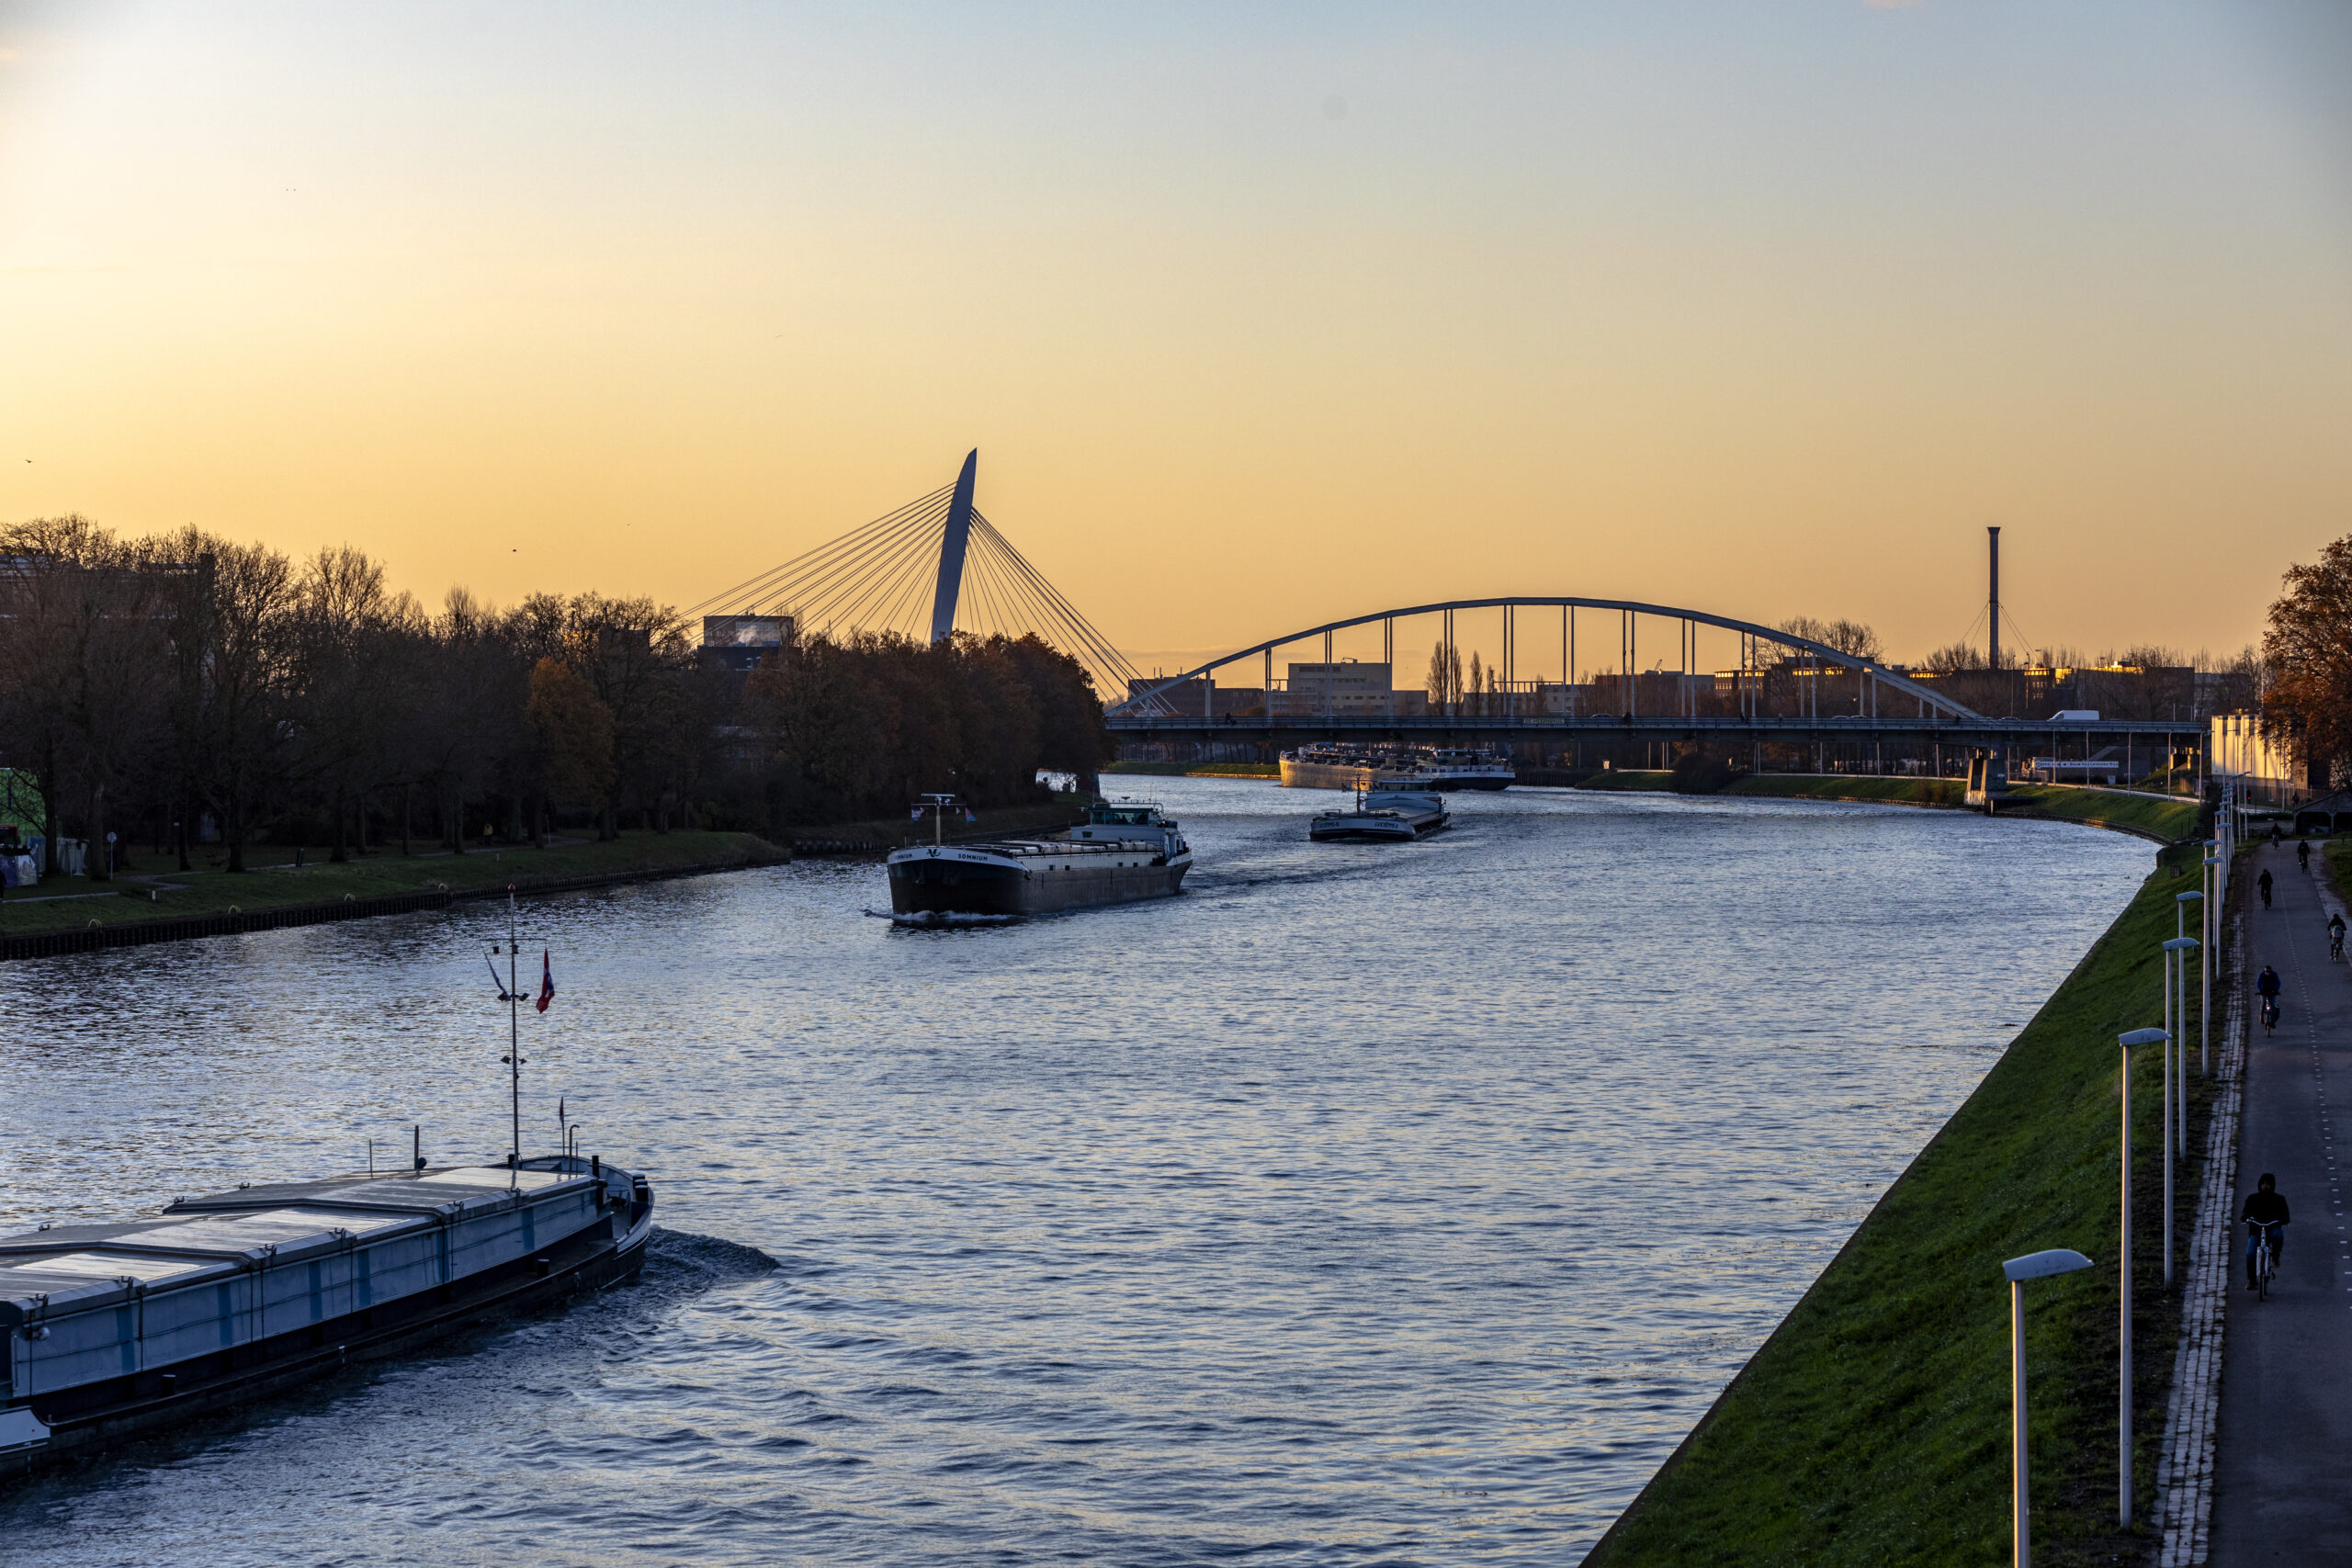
[2307, 648]
[572, 735]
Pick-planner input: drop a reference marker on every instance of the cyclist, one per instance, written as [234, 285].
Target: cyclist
[2263, 881]
[2264, 1208]
[2335, 935]
[2304, 854]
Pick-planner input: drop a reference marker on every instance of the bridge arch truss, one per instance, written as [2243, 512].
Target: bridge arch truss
[1155, 701]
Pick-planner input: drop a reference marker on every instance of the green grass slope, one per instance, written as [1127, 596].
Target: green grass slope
[1201, 770]
[1873, 1427]
[212, 891]
[2168, 820]
[1814, 786]
[1628, 778]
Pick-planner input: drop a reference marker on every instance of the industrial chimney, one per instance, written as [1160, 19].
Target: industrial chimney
[1993, 637]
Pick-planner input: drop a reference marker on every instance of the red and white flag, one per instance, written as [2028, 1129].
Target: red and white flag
[547, 980]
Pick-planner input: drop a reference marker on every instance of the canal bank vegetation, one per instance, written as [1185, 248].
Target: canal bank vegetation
[1200, 770]
[2166, 819]
[1872, 1426]
[1901, 791]
[272, 880]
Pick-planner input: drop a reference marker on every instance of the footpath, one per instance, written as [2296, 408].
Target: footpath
[2282, 1472]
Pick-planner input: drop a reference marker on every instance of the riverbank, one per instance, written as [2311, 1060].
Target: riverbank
[1200, 770]
[880, 835]
[377, 884]
[2164, 819]
[1872, 1426]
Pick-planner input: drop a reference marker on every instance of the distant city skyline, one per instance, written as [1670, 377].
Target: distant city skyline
[1259, 318]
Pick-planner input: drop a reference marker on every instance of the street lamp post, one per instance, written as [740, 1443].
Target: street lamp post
[2205, 965]
[2177, 953]
[2034, 1265]
[2124, 1353]
[2180, 907]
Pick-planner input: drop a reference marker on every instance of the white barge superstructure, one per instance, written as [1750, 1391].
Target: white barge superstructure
[114, 1330]
[1335, 765]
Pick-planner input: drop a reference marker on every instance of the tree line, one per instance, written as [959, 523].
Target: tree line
[157, 686]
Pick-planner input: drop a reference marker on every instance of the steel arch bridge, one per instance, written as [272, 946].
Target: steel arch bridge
[1153, 702]
[1883, 705]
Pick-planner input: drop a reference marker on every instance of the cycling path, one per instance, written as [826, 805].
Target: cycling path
[2282, 1465]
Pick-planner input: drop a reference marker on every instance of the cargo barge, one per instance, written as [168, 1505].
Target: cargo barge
[1124, 852]
[1383, 815]
[117, 1330]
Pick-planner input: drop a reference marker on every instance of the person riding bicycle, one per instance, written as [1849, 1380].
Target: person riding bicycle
[2263, 881]
[2264, 1208]
[2266, 985]
[2335, 934]
[2304, 854]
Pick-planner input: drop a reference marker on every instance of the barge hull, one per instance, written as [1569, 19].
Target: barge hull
[145, 1402]
[945, 888]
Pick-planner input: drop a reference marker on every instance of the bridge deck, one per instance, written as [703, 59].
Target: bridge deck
[2059, 739]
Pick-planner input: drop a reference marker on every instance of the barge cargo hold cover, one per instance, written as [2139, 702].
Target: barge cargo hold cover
[114, 1330]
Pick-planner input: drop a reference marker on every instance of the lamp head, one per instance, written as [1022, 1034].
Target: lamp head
[2142, 1037]
[2042, 1264]
[2180, 944]
[2188, 897]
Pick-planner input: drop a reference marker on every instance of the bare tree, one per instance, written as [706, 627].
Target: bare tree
[84, 655]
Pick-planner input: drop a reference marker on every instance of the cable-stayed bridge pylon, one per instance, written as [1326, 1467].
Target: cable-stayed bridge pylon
[873, 578]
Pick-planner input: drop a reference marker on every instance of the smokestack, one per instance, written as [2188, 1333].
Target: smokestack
[1993, 637]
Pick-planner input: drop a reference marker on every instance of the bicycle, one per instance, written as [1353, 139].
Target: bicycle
[2269, 1015]
[2304, 854]
[2335, 944]
[2265, 1256]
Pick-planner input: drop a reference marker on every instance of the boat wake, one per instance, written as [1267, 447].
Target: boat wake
[680, 1263]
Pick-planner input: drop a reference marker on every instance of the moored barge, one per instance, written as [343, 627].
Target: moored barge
[117, 1330]
[1335, 765]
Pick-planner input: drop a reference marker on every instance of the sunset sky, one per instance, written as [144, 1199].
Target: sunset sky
[1259, 315]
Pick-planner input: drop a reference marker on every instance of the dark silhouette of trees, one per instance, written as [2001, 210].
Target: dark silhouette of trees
[842, 729]
[186, 678]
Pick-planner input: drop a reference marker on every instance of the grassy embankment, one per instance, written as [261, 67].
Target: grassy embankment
[2166, 820]
[2338, 855]
[280, 885]
[1200, 770]
[2169, 820]
[1873, 1427]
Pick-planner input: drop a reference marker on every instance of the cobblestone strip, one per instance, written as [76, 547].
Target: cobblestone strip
[2185, 1470]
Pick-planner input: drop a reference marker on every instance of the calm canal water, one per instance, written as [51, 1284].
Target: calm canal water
[1373, 1204]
